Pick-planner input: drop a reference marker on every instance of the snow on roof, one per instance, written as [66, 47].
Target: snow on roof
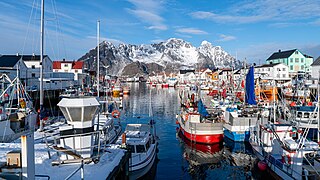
[101, 170]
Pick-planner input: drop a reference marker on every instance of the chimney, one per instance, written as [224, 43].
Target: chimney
[63, 59]
[279, 50]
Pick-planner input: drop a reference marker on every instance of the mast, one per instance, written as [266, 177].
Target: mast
[318, 106]
[98, 58]
[274, 96]
[41, 61]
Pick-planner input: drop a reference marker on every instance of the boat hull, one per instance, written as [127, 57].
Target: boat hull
[136, 172]
[237, 136]
[202, 138]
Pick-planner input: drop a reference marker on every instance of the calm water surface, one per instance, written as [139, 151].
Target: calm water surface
[178, 158]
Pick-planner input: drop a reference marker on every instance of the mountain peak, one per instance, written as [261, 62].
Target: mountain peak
[172, 54]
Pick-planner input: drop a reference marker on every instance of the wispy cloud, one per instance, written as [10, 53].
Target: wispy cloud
[224, 38]
[263, 10]
[191, 31]
[148, 11]
[157, 40]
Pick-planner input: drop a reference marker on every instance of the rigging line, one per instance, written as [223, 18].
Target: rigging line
[34, 35]
[29, 22]
[56, 26]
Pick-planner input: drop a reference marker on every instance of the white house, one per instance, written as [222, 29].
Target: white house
[75, 67]
[277, 71]
[186, 76]
[315, 68]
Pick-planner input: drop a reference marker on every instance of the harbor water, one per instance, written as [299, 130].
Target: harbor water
[177, 157]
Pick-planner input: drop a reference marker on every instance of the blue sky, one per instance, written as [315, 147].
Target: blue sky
[248, 29]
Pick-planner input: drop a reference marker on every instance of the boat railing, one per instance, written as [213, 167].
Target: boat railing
[53, 145]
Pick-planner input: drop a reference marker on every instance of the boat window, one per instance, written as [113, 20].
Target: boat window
[131, 148]
[306, 115]
[64, 112]
[75, 113]
[140, 148]
[89, 112]
[148, 145]
[299, 115]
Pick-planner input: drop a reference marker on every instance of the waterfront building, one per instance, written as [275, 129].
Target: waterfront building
[277, 71]
[315, 68]
[294, 59]
[75, 67]
[29, 71]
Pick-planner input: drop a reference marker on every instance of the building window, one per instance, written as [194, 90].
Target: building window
[296, 52]
[65, 70]
[65, 65]
[301, 60]
[283, 75]
[302, 67]
[291, 67]
[76, 71]
[296, 60]
[56, 70]
[291, 60]
[283, 69]
[278, 75]
[33, 75]
[33, 67]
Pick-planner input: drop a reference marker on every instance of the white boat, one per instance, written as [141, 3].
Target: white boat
[172, 82]
[143, 147]
[285, 152]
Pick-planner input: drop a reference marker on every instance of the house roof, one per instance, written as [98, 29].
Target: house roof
[267, 65]
[316, 62]
[185, 71]
[56, 64]
[8, 61]
[75, 64]
[281, 54]
[32, 57]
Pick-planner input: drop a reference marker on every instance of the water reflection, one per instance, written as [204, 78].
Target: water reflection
[200, 157]
[178, 158]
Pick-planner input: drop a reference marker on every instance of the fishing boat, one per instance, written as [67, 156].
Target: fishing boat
[143, 147]
[286, 152]
[172, 82]
[238, 122]
[17, 114]
[198, 125]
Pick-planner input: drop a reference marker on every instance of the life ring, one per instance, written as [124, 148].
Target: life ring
[115, 114]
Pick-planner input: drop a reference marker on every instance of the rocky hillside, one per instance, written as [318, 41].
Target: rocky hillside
[169, 56]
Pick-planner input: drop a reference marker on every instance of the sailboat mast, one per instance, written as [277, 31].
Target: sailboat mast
[318, 106]
[98, 58]
[274, 96]
[41, 61]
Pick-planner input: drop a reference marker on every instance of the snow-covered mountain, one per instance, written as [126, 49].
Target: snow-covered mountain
[172, 55]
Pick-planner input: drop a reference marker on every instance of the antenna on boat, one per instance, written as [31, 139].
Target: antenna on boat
[98, 58]
[41, 63]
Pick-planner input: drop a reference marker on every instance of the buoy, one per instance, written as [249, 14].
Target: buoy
[177, 122]
[262, 165]
[124, 138]
[115, 114]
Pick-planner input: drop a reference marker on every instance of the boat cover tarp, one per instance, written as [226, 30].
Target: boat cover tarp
[250, 94]
[201, 109]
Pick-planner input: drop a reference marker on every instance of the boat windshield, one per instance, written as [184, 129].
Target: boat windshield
[140, 149]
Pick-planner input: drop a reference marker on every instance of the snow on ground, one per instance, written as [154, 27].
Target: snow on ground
[43, 166]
